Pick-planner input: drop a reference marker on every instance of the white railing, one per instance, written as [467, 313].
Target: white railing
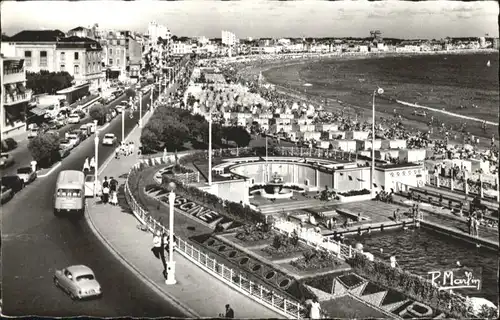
[233, 278]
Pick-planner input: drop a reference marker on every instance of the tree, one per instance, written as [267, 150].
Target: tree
[130, 93]
[98, 112]
[239, 135]
[48, 82]
[44, 148]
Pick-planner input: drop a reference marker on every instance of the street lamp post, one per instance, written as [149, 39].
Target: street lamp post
[210, 148]
[96, 152]
[140, 109]
[372, 178]
[171, 263]
[123, 125]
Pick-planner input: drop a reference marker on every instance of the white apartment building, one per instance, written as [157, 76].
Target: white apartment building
[228, 38]
[181, 48]
[156, 31]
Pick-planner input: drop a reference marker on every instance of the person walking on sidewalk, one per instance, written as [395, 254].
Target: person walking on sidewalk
[476, 227]
[229, 312]
[131, 147]
[86, 166]
[105, 190]
[156, 244]
[92, 163]
[163, 247]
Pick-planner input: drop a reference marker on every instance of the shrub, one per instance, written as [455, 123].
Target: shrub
[98, 112]
[251, 232]
[44, 149]
[316, 259]
[355, 193]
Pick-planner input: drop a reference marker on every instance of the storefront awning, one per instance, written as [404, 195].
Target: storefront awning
[38, 111]
[21, 88]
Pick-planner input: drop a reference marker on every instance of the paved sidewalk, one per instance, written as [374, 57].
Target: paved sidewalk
[197, 293]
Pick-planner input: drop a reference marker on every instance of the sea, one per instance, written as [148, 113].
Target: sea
[461, 83]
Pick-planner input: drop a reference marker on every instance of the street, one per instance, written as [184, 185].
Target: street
[35, 243]
[23, 156]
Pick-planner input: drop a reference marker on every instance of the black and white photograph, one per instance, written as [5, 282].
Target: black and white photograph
[250, 159]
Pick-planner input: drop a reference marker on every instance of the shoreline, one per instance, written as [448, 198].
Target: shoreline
[257, 66]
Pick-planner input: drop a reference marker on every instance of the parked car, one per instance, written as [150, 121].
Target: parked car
[113, 112]
[89, 185]
[109, 139]
[66, 144]
[33, 132]
[80, 113]
[73, 137]
[14, 183]
[78, 281]
[9, 144]
[64, 152]
[56, 124]
[6, 194]
[27, 174]
[74, 118]
[119, 108]
[6, 160]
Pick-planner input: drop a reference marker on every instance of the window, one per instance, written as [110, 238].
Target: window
[63, 56]
[70, 193]
[117, 62]
[43, 58]
[77, 69]
[122, 42]
[63, 67]
[27, 57]
[110, 51]
[110, 62]
[77, 56]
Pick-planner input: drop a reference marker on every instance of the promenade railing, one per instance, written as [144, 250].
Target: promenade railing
[287, 307]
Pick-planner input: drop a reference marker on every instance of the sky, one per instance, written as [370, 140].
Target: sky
[262, 18]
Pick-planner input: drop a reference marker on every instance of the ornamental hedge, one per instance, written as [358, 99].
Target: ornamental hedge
[411, 285]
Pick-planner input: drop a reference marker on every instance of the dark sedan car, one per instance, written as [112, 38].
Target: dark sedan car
[14, 183]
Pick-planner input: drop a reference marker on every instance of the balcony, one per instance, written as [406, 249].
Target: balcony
[12, 75]
[17, 97]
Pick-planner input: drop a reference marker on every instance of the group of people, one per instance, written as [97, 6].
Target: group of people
[89, 166]
[125, 149]
[110, 191]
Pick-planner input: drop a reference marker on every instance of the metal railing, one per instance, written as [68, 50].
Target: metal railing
[233, 278]
[17, 97]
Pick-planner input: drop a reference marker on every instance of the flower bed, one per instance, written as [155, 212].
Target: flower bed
[412, 285]
[253, 233]
[283, 246]
[355, 193]
[315, 260]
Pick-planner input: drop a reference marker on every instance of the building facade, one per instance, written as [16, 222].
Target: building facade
[228, 38]
[122, 53]
[15, 97]
[51, 50]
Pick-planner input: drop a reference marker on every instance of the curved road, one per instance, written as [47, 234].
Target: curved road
[35, 242]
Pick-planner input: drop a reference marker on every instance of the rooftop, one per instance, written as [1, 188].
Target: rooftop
[398, 165]
[37, 36]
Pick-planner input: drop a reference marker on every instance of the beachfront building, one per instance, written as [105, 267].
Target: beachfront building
[122, 54]
[51, 50]
[181, 48]
[15, 97]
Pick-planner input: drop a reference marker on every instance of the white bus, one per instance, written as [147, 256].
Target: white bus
[69, 195]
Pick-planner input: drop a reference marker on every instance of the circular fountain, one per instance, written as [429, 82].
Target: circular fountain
[276, 189]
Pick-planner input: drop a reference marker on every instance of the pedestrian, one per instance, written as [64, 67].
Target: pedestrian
[315, 311]
[229, 312]
[476, 227]
[92, 163]
[113, 185]
[86, 166]
[105, 194]
[132, 147]
[469, 224]
[163, 246]
[113, 198]
[117, 153]
[156, 244]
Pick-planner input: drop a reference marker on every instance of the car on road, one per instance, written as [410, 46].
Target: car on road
[89, 186]
[66, 144]
[120, 108]
[14, 183]
[55, 124]
[6, 194]
[64, 152]
[9, 144]
[6, 160]
[33, 132]
[27, 174]
[74, 118]
[73, 137]
[109, 139]
[78, 281]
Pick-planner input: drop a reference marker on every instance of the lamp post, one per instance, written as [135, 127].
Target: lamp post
[210, 147]
[96, 152]
[375, 92]
[140, 109]
[171, 263]
[123, 125]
